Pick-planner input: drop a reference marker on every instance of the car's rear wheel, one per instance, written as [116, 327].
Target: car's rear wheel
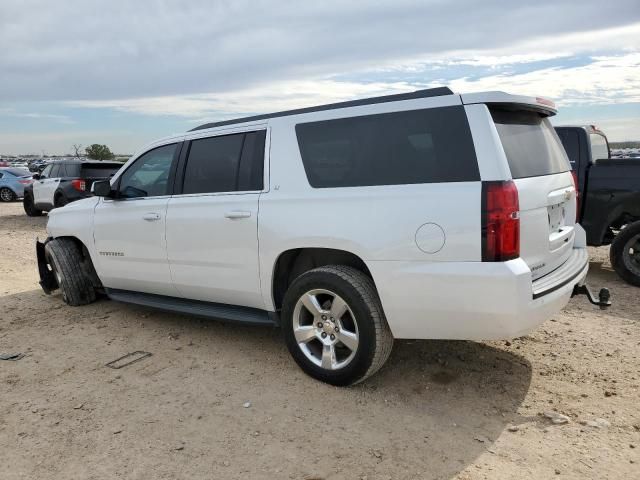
[60, 201]
[625, 253]
[29, 207]
[7, 195]
[334, 325]
[67, 262]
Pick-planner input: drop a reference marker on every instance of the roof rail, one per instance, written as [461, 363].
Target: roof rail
[429, 92]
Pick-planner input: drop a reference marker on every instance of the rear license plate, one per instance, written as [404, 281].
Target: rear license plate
[556, 217]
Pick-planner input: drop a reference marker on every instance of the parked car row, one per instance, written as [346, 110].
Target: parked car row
[13, 182]
[63, 182]
[59, 183]
[422, 215]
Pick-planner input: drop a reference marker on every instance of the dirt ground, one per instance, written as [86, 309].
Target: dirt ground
[225, 401]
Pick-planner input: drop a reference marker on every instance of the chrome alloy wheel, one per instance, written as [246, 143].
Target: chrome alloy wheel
[6, 195]
[325, 329]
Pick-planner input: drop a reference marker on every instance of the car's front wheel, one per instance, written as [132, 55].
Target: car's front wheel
[334, 325]
[68, 264]
[7, 195]
[625, 253]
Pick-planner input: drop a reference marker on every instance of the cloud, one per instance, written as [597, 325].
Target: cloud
[10, 112]
[603, 80]
[179, 63]
[606, 80]
[265, 98]
[120, 49]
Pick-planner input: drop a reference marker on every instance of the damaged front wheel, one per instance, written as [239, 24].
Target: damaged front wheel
[65, 269]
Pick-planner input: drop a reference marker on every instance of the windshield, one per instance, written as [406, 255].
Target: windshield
[530, 143]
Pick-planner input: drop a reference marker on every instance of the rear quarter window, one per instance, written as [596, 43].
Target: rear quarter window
[530, 143]
[417, 146]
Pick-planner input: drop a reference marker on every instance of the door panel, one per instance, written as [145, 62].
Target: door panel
[212, 245]
[131, 247]
[41, 186]
[129, 230]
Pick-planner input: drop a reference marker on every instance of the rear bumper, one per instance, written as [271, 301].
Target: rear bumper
[473, 300]
[576, 266]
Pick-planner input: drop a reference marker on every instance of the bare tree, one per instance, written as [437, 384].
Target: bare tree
[77, 148]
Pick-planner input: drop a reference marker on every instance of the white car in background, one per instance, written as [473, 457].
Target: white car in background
[423, 215]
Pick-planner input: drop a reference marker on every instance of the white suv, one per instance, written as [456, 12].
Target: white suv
[422, 215]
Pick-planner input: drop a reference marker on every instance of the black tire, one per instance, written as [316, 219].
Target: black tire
[68, 264]
[7, 195]
[60, 201]
[626, 264]
[358, 291]
[29, 207]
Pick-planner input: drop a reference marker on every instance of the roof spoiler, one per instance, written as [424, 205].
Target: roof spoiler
[538, 104]
[429, 92]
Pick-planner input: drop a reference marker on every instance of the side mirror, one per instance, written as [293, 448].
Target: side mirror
[36, 176]
[101, 188]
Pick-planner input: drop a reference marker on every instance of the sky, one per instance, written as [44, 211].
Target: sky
[124, 73]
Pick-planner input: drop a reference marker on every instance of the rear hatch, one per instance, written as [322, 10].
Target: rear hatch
[94, 171]
[542, 174]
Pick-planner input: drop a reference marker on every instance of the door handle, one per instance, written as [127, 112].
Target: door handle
[151, 217]
[237, 214]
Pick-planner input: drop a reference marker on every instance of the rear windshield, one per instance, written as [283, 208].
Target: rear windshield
[419, 146]
[530, 143]
[599, 147]
[18, 172]
[100, 171]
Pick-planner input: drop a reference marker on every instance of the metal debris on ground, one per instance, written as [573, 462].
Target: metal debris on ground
[128, 359]
[12, 357]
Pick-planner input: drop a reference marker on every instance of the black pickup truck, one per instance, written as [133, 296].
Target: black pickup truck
[609, 197]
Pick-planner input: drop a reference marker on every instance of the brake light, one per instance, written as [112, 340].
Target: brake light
[500, 221]
[25, 182]
[79, 185]
[574, 174]
[545, 101]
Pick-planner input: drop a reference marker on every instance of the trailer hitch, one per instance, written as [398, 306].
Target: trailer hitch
[603, 295]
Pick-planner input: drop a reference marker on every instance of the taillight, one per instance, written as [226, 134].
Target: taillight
[500, 221]
[575, 184]
[25, 182]
[79, 185]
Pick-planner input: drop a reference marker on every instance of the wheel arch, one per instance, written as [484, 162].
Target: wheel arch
[294, 262]
[87, 255]
[8, 187]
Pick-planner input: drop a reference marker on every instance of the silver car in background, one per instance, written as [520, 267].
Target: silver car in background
[12, 183]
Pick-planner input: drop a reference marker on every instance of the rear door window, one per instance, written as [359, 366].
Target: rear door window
[418, 146]
[226, 163]
[530, 143]
[72, 170]
[55, 171]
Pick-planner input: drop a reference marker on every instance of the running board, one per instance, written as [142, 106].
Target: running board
[220, 311]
